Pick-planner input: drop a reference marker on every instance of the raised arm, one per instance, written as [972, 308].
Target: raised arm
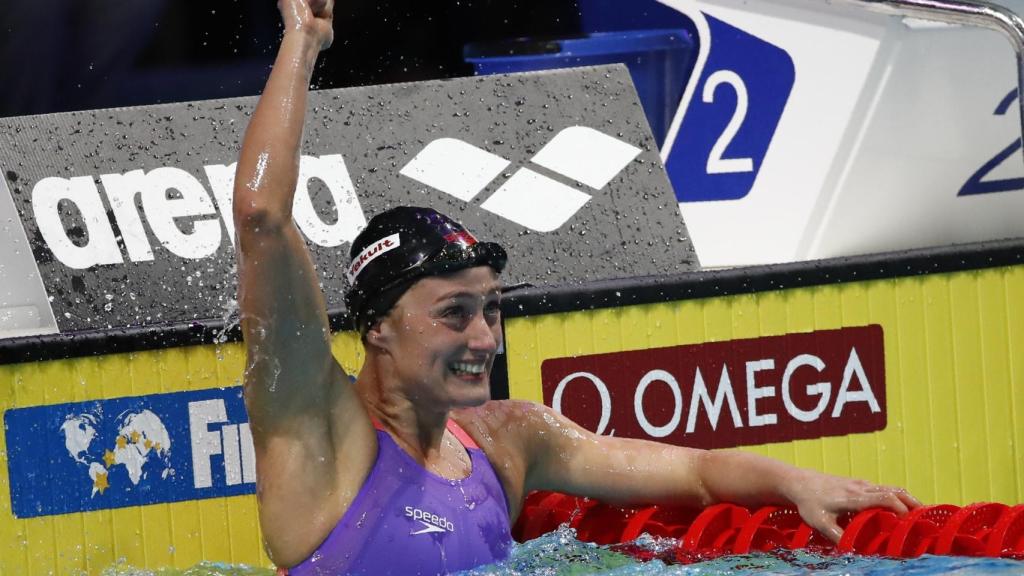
[565, 457]
[283, 314]
[301, 408]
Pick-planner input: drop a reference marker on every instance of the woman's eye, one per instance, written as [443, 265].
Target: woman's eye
[454, 312]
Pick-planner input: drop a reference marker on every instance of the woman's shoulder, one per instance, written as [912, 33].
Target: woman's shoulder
[501, 428]
[498, 414]
[504, 421]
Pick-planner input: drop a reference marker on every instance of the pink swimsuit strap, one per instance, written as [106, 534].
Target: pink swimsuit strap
[460, 434]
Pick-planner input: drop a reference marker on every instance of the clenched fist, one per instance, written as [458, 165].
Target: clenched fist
[312, 17]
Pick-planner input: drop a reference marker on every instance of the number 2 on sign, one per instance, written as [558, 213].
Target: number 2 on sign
[716, 163]
[722, 143]
[977, 184]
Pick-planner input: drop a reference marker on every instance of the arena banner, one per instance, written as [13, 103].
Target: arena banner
[128, 212]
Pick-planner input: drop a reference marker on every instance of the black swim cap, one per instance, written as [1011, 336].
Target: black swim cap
[402, 245]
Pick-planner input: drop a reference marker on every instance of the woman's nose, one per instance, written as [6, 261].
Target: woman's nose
[482, 334]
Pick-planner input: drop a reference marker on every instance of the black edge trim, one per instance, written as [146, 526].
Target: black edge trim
[593, 295]
[714, 283]
[499, 375]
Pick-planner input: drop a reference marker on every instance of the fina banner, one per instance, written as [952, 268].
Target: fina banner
[128, 212]
[118, 452]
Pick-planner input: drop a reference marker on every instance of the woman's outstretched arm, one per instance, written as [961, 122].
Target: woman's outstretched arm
[303, 412]
[554, 453]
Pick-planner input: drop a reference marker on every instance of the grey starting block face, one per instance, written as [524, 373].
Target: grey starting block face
[127, 213]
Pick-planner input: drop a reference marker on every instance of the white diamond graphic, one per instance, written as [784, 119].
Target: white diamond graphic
[455, 167]
[586, 155]
[535, 201]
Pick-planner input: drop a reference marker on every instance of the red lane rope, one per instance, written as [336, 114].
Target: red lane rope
[983, 529]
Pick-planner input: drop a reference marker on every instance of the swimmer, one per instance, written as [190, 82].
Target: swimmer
[413, 469]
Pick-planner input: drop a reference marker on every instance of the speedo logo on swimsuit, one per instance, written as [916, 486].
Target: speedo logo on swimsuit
[431, 522]
[528, 198]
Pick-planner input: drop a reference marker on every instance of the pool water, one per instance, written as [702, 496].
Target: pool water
[561, 554]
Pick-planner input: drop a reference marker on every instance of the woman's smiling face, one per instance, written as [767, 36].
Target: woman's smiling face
[442, 336]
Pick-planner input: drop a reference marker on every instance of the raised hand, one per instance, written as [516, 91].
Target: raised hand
[311, 17]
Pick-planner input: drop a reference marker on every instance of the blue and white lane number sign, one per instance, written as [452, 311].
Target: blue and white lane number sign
[119, 452]
[732, 116]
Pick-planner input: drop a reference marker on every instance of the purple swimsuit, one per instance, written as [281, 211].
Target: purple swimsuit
[407, 520]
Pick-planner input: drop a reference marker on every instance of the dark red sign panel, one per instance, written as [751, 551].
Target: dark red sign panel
[723, 394]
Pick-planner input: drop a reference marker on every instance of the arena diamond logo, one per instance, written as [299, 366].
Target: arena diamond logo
[527, 197]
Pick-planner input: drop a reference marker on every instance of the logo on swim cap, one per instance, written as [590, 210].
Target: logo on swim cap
[431, 244]
[462, 237]
[370, 252]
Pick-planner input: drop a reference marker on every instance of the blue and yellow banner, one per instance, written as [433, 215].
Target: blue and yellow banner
[85, 456]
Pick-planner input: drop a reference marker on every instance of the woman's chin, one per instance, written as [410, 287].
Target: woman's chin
[467, 393]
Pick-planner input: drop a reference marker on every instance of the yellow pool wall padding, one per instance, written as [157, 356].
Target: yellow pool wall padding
[174, 535]
[954, 361]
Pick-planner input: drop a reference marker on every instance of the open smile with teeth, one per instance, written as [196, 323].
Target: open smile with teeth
[468, 368]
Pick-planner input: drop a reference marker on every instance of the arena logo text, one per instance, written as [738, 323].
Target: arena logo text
[185, 222]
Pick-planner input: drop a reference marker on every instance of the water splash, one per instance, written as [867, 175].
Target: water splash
[559, 553]
[230, 317]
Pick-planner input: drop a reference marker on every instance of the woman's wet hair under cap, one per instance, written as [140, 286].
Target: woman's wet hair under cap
[402, 245]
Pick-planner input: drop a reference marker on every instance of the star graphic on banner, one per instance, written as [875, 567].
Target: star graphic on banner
[148, 443]
[122, 442]
[108, 458]
[135, 437]
[100, 483]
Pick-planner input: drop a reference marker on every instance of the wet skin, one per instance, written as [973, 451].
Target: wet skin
[440, 339]
[431, 354]
[429, 358]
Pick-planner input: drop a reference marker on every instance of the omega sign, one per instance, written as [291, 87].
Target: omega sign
[724, 394]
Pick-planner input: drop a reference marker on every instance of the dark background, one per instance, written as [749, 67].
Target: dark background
[61, 55]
